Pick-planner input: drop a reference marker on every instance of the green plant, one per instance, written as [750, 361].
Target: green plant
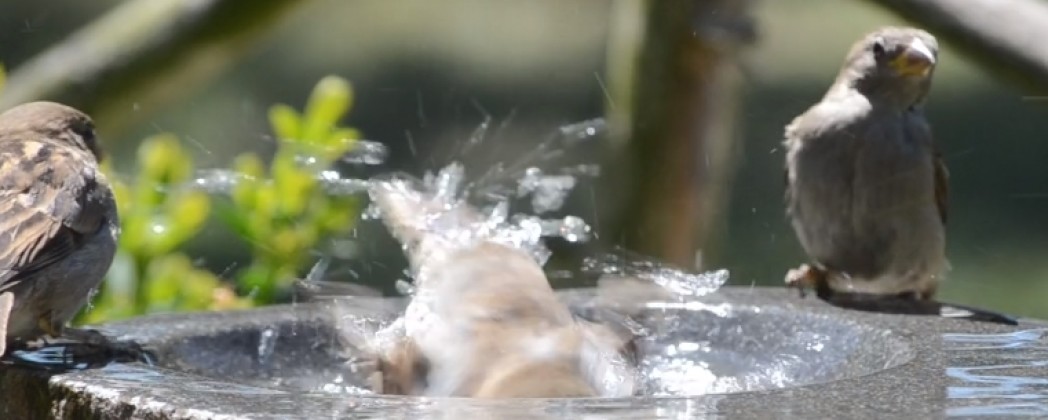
[282, 210]
[159, 212]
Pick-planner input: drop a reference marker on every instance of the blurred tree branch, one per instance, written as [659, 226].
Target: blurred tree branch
[142, 54]
[673, 94]
[1009, 38]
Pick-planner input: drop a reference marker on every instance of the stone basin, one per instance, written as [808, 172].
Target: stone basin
[741, 352]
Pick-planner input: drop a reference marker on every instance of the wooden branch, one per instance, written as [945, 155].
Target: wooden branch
[1008, 38]
[142, 54]
[673, 94]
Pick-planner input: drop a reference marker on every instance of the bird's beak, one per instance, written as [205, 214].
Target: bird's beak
[915, 60]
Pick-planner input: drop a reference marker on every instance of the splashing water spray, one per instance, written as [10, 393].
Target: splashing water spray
[432, 220]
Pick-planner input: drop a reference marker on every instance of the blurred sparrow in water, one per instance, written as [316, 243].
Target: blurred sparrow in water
[58, 220]
[866, 189]
[484, 321]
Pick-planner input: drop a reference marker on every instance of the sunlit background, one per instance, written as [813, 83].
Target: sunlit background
[425, 74]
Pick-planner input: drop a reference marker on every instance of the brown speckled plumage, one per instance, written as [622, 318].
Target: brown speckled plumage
[58, 220]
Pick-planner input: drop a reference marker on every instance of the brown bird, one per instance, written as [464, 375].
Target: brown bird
[866, 189]
[58, 219]
[484, 321]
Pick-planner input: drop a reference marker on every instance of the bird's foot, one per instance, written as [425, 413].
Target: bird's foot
[77, 349]
[805, 277]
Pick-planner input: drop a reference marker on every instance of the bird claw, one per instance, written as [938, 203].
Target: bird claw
[803, 278]
[78, 349]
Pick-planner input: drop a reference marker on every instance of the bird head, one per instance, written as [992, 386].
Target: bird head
[53, 121]
[892, 63]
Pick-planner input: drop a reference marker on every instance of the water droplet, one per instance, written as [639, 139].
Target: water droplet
[404, 287]
[582, 131]
[218, 181]
[366, 152]
[158, 228]
[267, 342]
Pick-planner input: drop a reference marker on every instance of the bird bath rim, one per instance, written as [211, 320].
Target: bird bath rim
[914, 386]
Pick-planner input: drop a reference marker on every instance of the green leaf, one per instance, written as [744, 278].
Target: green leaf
[163, 161]
[330, 100]
[164, 281]
[246, 191]
[285, 121]
[188, 211]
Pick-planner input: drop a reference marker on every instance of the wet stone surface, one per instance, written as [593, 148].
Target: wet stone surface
[740, 352]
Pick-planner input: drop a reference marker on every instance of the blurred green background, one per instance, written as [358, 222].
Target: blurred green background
[425, 74]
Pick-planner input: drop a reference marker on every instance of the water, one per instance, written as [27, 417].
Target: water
[366, 152]
[691, 349]
[680, 284]
[443, 215]
[547, 192]
[998, 374]
[735, 352]
[461, 257]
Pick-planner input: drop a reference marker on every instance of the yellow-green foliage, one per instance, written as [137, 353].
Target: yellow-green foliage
[159, 212]
[281, 210]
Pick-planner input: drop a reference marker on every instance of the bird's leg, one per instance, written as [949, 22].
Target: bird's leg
[82, 345]
[806, 277]
[928, 293]
[97, 344]
[49, 327]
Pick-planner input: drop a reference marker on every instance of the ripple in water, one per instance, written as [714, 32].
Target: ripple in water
[998, 374]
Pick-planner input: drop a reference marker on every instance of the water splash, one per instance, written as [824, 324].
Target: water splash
[438, 204]
[219, 181]
[445, 210]
[675, 281]
[573, 134]
[449, 247]
[570, 228]
[361, 152]
[267, 342]
[492, 190]
[404, 287]
[523, 176]
[224, 181]
[365, 152]
[547, 192]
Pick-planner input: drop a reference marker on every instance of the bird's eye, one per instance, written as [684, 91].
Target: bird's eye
[878, 48]
[88, 134]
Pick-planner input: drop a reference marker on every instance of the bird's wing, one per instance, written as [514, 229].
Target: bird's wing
[49, 200]
[942, 187]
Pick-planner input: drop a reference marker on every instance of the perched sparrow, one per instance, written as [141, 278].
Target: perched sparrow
[58, 219]
[484, 321]
[866, 188]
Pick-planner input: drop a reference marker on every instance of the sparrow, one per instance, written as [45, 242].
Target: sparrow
[484, 321]
[866, 189]
[58, 220]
